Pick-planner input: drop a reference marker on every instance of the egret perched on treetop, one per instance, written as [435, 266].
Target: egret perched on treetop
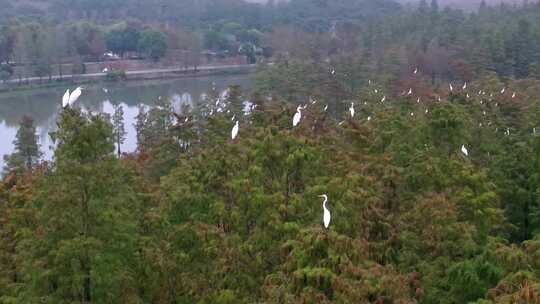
[297, 116]
[451, 88]
[65, 99]
[326, 212]
[503, 90]
[383, 99]
[234, 131]
[75, 95]
[69, 99]
[464, 86]
[351, 109]
[464, 150]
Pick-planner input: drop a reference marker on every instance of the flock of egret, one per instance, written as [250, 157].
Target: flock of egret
[70, 98]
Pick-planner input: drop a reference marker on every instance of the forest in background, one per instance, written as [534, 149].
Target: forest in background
[433, 180]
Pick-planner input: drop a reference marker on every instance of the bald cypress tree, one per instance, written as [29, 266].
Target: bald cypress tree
[27, 152]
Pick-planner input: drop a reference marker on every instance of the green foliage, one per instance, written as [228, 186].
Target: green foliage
[116, 75]
[27, 153]
[122, 38]
[153, 44]
[194, 216]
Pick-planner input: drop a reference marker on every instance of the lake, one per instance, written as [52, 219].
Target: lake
[44, 105]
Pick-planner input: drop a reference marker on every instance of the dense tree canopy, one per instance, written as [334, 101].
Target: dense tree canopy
[195, 217]
[433, 180]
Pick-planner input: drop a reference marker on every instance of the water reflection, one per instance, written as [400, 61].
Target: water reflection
[44, 105]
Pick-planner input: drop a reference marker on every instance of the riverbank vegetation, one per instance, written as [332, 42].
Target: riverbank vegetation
[195, 217]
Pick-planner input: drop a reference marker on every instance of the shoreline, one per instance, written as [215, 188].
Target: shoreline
[33, 83]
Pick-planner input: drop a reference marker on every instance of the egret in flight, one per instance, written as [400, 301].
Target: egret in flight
[351, 109]
[234, 131]
[297, 116]
[326, 212]
[464, 150]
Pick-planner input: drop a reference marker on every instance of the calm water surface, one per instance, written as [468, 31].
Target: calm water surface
[44, 105]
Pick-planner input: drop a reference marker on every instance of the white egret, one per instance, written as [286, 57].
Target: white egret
[105, 70]
[451, 88]
[297, 116]
[412, 114]
[351, 109]
[415, 71]
[326, 213]
[464, 86]
[418, 100]
[514, 95]
[464, 150]
[410, 91]
[325, 108]
[376, 91]
[75, 95]
[65, 99]
[234, 131]
[105, 90]
[369, 118]
[468, 96]
[427, 111]
[503, 90]
[233, 117]
[383, 99]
